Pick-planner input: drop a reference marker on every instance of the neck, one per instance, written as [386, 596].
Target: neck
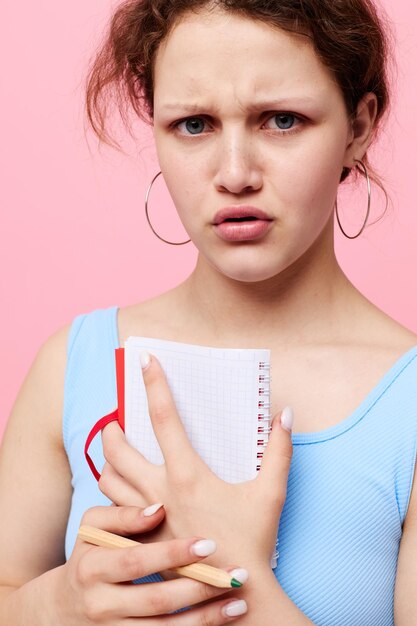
[309, 302]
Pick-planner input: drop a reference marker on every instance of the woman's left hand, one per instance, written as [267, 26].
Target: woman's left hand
[242, 518]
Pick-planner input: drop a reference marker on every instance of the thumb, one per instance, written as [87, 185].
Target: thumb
[278, 452]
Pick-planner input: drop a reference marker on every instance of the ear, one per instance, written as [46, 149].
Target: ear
[361, 129]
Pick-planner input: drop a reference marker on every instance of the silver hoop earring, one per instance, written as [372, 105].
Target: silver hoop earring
[172, 243]
[368, 180]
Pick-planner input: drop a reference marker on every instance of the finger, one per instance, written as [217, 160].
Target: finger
[278, 453]
[118, 489]
[153, 599]
[157, 599]
[168, 427]
[124, 458]
[214, 613]
[126, 564]
[123, 520]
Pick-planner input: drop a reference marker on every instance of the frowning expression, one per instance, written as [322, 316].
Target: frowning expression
[246, 115]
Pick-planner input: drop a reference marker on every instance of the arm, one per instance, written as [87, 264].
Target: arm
[37, 586]
[35, 481]
[405, 603]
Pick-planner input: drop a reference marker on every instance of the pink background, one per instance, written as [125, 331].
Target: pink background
[73, 230]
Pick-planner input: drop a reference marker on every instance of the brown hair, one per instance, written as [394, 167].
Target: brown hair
[351, 38]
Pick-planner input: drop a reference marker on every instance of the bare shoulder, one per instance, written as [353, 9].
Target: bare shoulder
[43, 387]
[403, 335]
[33, 461]
[377, 329]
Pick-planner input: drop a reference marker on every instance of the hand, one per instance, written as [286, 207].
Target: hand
[92, 588]
[242, 518]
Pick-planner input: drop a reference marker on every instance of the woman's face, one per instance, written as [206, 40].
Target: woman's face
[247, 116]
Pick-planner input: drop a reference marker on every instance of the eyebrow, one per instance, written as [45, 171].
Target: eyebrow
[261, 105]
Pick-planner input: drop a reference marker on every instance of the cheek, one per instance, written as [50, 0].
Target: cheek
[177, 169]
[186, 185]
[306, 184]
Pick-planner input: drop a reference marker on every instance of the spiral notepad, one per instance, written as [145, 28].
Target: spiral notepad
[222, 396]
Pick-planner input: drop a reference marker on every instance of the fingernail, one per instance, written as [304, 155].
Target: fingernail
[145, 359]
[238, 607]
[240, 574]
[204, 547]
[287, 418]
[151, 510]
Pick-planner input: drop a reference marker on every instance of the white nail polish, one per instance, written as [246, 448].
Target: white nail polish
[238, 607]
[287, 418]
[151, 510]
[144, 358]
[204, 547]
[240, 574]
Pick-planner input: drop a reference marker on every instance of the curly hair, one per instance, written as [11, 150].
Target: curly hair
[351, 37]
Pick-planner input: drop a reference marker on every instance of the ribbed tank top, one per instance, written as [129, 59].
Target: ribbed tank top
[348, 488]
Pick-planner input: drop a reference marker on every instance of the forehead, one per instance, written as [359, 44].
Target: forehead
[221, 54]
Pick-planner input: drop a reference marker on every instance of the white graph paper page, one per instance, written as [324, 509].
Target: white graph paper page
[216, 392]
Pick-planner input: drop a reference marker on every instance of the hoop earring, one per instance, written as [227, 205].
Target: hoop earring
[172, 243]
[368, 180]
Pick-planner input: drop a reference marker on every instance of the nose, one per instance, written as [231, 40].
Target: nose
[237, 166]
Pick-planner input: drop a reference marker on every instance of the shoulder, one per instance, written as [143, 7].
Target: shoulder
[402, 339]
[374, 328]
[43, 387]
[33, 461]
[49, 362]
[39, 403]
[42, 390]
[399, 335]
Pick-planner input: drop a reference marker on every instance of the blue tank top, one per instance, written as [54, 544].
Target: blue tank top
[348, 488]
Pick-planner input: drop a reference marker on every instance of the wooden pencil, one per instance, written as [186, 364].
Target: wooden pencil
[198, 571]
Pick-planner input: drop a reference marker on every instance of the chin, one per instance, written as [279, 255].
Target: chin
[249, 274]
[250, 264]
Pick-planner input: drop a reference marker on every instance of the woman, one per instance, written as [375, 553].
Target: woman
[259, 110]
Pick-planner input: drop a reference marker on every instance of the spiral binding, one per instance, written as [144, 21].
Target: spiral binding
[264, 426]
[264, 410]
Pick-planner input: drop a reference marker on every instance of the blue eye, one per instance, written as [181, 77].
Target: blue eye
[193, 125]
[284, 121]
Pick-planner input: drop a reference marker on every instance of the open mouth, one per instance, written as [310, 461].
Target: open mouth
[242, 227]
[240, 214]
[241, 219]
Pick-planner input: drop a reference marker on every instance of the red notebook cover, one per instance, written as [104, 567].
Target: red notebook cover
[120, 381]
[118, 414]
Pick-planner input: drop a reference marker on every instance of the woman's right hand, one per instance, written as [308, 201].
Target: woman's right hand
[94, 586]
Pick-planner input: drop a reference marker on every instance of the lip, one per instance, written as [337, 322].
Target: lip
[233, 212]
[243, 231]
